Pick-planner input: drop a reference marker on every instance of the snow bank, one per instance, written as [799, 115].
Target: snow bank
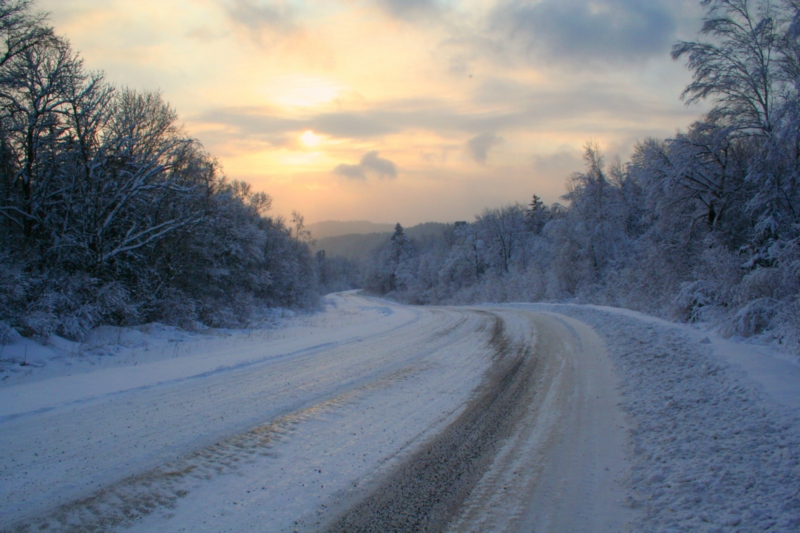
[711, 448]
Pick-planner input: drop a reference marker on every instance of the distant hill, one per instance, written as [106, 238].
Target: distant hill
[353, 246]
[360, 246]
[426, 230]
[335, 228]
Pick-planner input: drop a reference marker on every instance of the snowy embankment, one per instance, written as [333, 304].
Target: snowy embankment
[236, 432]
[320, 423]
[36, 377]
[715, 425]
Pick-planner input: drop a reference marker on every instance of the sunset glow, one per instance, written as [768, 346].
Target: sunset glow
[309, 139]
[476, 103]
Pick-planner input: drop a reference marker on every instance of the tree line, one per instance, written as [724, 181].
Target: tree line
[111, 214]
[701, 226]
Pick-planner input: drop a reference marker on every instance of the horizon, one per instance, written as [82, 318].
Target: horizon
[389, 110]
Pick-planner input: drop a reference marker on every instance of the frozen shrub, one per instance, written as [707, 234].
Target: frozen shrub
[786, 324]
[172, 307]
[752, 319]
[693, 301]
[13, 291]
[64, 305]
[115, 305]
[7, 334]
[39, 323]
[762, 283]
[220, 314]
[234, 313]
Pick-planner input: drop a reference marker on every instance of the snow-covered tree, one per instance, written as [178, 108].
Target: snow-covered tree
[394, 266]
[503, 232]
[739, 63]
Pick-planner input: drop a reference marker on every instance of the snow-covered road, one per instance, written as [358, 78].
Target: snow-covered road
[369, 416]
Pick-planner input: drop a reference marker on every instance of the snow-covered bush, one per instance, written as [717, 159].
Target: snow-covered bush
[785, 326]
[172, 307]
[7, 333]
[753, 318]
[70, 306]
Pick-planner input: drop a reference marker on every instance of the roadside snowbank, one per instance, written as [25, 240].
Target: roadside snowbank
[715, 446]
[36, 377]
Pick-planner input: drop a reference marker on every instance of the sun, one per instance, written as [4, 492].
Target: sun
[310, 139]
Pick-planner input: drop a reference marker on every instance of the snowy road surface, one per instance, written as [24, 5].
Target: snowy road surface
[372, 417]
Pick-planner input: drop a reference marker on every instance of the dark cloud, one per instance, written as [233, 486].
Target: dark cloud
[259, 121]
[358, 125]
[370, 163]
[380, 166]
[251, 121]
[264, 19]
[591, 31]
[202, 33]
[503, 105]
[354, 172]
[465, 47]
[478, 147]
[410, 9]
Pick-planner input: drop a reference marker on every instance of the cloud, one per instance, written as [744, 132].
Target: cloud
[382, 167]
[263, 20]
[478, 147]
[202, 33]
[410, 9]
[251, 121]
[354, 172]
[591, 31]
[559, 165]
[501, 105]
[354, 125]
[370, 163]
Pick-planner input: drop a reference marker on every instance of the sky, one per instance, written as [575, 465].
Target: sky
[398, 110]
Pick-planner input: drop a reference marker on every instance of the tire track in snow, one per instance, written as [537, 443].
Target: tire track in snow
[122, 503]
[427, 491]
[540, 447]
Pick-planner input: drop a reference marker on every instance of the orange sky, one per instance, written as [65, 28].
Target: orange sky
[397, 110]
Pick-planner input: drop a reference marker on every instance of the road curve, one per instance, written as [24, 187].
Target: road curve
[377, 418]
[540, 447]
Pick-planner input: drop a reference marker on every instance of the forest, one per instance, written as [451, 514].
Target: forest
[112, 214]
[704, 226]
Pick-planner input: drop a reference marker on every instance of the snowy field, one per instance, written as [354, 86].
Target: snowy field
[550, 418]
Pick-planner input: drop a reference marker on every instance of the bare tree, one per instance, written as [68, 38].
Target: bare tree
[20, 29]
[738, 65]
[503, 232]
[33, 107]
